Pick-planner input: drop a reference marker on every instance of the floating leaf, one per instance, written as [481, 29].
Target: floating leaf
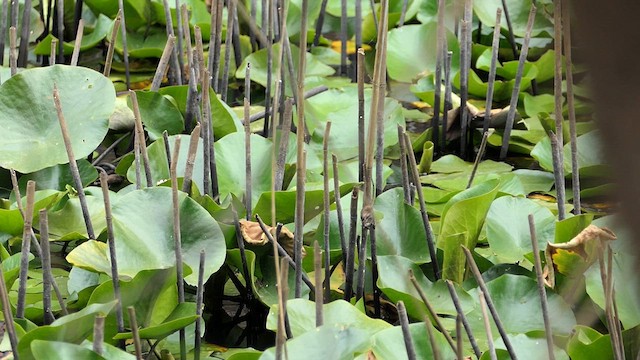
[518, 12]
[159, 113]
[183, 315]
[389, 343]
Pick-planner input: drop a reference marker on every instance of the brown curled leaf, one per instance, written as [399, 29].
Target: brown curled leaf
[253, 234]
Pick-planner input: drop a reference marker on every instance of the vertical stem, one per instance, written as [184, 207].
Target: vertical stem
[299, 220]
[175, 66]
[111, 240]
[269, 48]
[403, 12]
[125, 52]
[326, 213]
[162, 68]
[479, 156]
[403, 165]
[432, 340]
[537, 264]
[180, 35]
[495, 46]
[336, 196]
[558, 173]
[13, 58]
[320, 23]
[206, 135]
[463, 318]
[362, 259]
[24, 34]
[459, 342]
[8, 316]
[516, 87]
[47, 276]
[351, 249]
[77, 44]
[381, 83]
[247, 140]
[487, 326]
[228, 47]
[186, 32]
[406, 333]
[374, 271]
[285, 132]
[447, 100]
[191, 159]
[199, 306]
[512, 39]
[343, 38]
[317, 272]
[26, 249]
[112, 42]
[361, 140]
[465, 68]
[98, 334]
[52, 54]
[3, 28]
[440, 40]
[140, 138]
[73, 165]
[60, 34]
[133, 322]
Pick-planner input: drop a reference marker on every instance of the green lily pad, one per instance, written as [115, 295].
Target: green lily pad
[100, 30]
[590, 155]
[183, 315]
[159, 113]
[58, 177]
[529, 348]
[136, 11]
[389, 343]
[57, 350]
[33, 139]
[588, 343]
[518, 12]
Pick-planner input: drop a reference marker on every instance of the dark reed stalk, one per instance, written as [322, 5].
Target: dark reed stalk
[247, 140]
[163, 65]
[268, 108]
[26, 249]
[191, 160]
[479, 156]
[47, 276]
[139, 129]
[326, 213]
[13, 57]
[214, 35]
[98, 334]
[406, 333]
[112, 42]
[76, 46]
[207, 136]
[362, 259]
[199, 307]
[516, 87]
[403, 165]
[380, 82]
[361, 140]
[283, 295]
[60, 28]
[343, 39]
[133, 322]
[8, 317]
[23, 53]
[557, 73]
[174, 68]
[447, 99]
[494, 313]
[575, 170]
[606, 277]
[186, 33]
[440, 55]
[199, 54]
[351, 249]
[284, 144]
[283, 253]
[495, 46]
[254, 29]
[558, 174]
[255, 32]
[317, 272]
[75, 173]
[459, 342]
[463, 318]
[358, 25]
[228, 46]
[465, 68]
[243, 256]
[177, 238]
[192, 110]
[206, 111]
[237, 52]
[108, 150]
[3, 28]
[179, 50]
[15, 9]
[52, 54]
[299, 218]
[167, 147]
[336, 196]
[423, 208]
[487, 326]
[125, 52]
[403, 13]
[537, 263]
[136, 159]
[374, 272]
[373, 12]
[512, 39]
[111, 241]
[432, 340]
[320, 23]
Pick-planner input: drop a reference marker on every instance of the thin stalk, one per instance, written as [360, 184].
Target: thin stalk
[76, 46]
[199, 306]
[237, 52]
[269, 48]
[381, 83]
[447, 99]
[243, 257]
[133, 322]
[374, 271]
[186, 32]
[403, 12]
[558, 173]
[111, 241]
[326, 214]
[8, 317]
[516, 86]
[317, 272]
[52, 54]
[98, 334]
[432, 340]
[214, 43]
[361, 140]
[351, 249]
[358, 34]
[302, 66]
[228, 46]
[320, 22]
[47, 276]
[463, 318]
[512, 39]
[199, 53]
[336, 198]
[3, 29]
[180, 35]
[283, 146]
[487, 326]
[283, 295]
[479, 156]
[13, 58]
[495, 46]
[403, 165]
[431, 311]
[423, 209]
[575, 170]
[191, 160]
[177, 238]
[174, 69]
[247, 140]
[557, 73]
[375, 16]
[343, 39]
[75, 173]
[299, 219]
[139, 129]
[206, 136]
[163, 65]
[465, 59]
[537, 264]
[459, 342]
[406, 333]
[15, 9]
[167, 147]
[440, 40]
[125, 52]
[362, 258]
[136, 159]
[192, 111]
[487, 297]
[24, 34]
[112, 41]
[26, 249]
[606, 277]
[60, 27]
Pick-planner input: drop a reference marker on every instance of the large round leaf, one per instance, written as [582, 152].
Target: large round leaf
[508, 227]
[389, 343]
[518, 12]
[32, 139]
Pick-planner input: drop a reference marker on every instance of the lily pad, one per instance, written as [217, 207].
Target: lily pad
[389, 343]
[159, 113]
[31, 130]
[518, 12]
